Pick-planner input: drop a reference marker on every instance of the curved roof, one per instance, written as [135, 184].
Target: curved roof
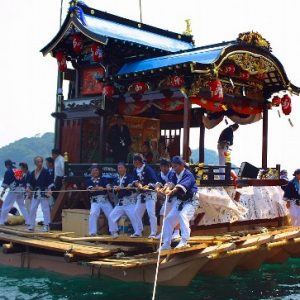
[101, 26]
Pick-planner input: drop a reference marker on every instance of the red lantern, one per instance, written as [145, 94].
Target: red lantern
[97, 53]
[216, 90]
[61, 61]
[18, 174]
[108, 90]
[77, 43]
[229, 69]
[140, 87]
[276, 101]
[261, 76]
[286, 104]
[244, 75]
[177, 81]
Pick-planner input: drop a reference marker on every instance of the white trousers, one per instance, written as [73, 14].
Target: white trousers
[140, 208]
[35, 202]
[9, 201]
[182, 217]
[96, 208]
[129, 211]
[221, 150]
[168, 206]
[295, 214]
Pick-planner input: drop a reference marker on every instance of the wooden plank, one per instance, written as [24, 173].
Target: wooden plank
[58, 205]
[58, 246]
[183, 250]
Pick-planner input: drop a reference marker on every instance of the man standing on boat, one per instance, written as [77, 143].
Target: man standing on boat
[119, 140]
[225, 140]
[184, 189]
[164, 179]
[15, 181]
[292, 198]
[145, 179]
[126, 198]
[97, 186]
[39, 185]
[59, 170]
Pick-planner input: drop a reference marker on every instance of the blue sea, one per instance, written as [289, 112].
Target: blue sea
[269, 282]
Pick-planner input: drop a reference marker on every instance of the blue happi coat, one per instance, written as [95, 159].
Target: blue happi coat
[127, 180]
[147, 177]
[11, 182]
[42, 183]
[162, 180]
[98, 181]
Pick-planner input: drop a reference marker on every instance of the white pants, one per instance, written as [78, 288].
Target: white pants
[140, 208]
[129, 211]
[95, 211]
[295, 214]
[9, 201]
[28, 204]
[168, 205]
[221, 150]
[182, 217]
[35, 202]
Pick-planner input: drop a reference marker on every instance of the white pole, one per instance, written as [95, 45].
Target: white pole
[140, 6]
[60, 16]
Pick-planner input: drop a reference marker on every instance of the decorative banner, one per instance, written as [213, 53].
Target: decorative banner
[246, 110]
[207, 104]
[139, 88]
[286, 104]
[97, 53]
[170, 104]
[134, 108]
[90, 81]
[61, 61]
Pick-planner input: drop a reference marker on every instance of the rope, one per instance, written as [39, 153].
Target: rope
[159, 250]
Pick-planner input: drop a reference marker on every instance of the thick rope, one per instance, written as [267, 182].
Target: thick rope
[159, 249]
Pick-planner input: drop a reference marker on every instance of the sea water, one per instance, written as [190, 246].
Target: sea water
[269, 282]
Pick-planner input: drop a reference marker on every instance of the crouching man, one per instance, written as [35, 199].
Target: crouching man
[184, 189]
[97, 187]
[126, 198]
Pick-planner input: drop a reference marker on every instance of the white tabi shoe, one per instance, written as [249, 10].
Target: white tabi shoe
[135, 235]
[152, 236]
[114, 235]
[45, 228]
[176, 235]
[157, 237]
[164, 247]
[182, 244]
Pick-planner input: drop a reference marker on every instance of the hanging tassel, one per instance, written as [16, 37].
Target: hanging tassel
[244, 91]
[231, 82]
[291, 123]
[279, 115]
[226, 122]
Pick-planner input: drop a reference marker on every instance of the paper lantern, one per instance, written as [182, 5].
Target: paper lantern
[97, 53]
[108, 90]
[261, 76]
[140, 87]
[276, 101]
[176, 81]
[216, 90]
[229, 69]
[286, 104]
[77, 43]
[61, 61]
[244, 75]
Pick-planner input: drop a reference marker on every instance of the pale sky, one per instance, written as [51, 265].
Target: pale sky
[28, 80]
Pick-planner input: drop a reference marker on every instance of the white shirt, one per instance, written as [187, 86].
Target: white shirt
[59, 166]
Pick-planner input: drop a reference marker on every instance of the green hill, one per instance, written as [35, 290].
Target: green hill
[25, 149]
[210, 157]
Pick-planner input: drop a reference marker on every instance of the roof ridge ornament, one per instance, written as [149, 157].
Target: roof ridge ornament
[75, 7]
[188, 28]
[254, 39]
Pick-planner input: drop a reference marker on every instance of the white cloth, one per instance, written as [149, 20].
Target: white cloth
[129, 211]
[182, 217]
[294, 212]
[9, 201]
[35, 202]
[59, 166]
[96, 208]
[139, 171]
[140, 208]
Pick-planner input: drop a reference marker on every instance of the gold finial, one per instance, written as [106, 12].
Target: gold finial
[188, 28]
[66, 156]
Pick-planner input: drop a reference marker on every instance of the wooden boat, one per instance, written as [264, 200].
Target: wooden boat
[161, 83]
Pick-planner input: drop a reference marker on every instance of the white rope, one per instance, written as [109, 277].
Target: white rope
[159, 250]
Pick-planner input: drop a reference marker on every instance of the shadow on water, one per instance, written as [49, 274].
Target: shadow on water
[269, 282]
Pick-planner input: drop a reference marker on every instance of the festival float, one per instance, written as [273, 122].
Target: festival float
[163, 85]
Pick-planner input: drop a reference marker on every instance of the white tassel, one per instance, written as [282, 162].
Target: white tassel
[232, 84]
[279, 115]
[291, 123]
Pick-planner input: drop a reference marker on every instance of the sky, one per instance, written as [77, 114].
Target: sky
[28, 80]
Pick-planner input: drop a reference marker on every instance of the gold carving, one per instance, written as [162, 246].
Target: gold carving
[188, 28]
[255, 39]
[251, 63]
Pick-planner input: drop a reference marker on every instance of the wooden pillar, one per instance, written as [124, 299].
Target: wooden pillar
[201, 139]
[265, 139]
[58, 107]
[102, 138]
[186, 127]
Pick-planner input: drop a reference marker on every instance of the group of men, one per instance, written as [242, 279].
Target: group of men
[137, 192]
[31, 189]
